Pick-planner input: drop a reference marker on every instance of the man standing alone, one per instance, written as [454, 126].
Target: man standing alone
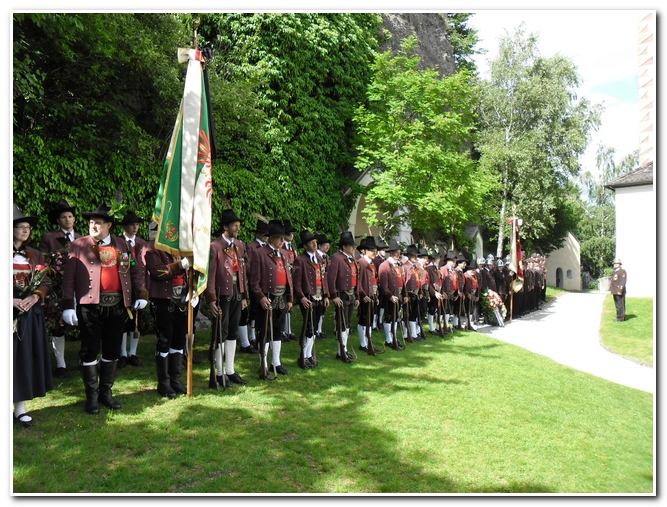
[617, 288]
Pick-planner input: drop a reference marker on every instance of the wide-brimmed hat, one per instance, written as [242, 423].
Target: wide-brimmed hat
[346, 238]
[20, 217]
[362, 245]
[228, 217]
[451, 255]
[461, 258]
[382, 245]
[262, 228]
[306, 237]
[322, 239]
[411, 250]
[60, 207]
[288, 227]
[393, 246]
[369, 243]
[422, 252]
[432, 254]
[102, 211]
[130, 218]
[276, 228]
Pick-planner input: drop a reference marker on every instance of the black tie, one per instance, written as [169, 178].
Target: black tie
[67, 238]
[20, 251]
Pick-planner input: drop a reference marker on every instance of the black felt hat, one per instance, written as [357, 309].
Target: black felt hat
[61, 206]
[262, 228]
[306, 237]
[382, 245]
[411, 250]
[346, 238]
[276, 228]
[19, 217]
[393, 246]
[369, 243]
[288, 227]
[451, 255]
[102, 211]
[422, 252]
[228, 217]
[322, 239]
[130, 218]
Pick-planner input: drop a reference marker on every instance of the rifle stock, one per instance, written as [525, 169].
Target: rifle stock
[302, 340]
[263, 368]
[212, 380]
[339, 333]
[370, 347]
[407, 320]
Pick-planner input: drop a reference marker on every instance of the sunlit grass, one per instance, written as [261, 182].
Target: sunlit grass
[632, 338]
[465, 414]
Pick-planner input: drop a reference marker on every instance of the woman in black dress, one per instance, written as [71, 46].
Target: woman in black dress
[32, 367]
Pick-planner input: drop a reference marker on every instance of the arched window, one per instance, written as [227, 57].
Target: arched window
[569, 273]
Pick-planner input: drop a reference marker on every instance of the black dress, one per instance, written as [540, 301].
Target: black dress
[32, 364]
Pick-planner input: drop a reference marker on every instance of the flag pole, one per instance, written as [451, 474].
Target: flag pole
[191, 338]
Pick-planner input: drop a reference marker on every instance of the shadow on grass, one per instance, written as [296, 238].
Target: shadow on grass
[322, 443]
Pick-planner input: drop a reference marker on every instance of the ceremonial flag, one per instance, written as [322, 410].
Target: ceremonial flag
[183, 205]
[515, 250]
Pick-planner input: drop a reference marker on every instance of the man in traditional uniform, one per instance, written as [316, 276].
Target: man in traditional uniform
[379, 258]
[425, 296]
[367, 289]
[435, 285]
[248, 316]
[130, 225]
[342, 280]
[166, 288]
[103, 275]
[413, 291]
[273, 290]
[392, 286]
[501, 285]
[64, 216]
[450, 285]
[323, 245]
[617, 289]
[471, 294]
[290, 254]
[226, 293]
[460, 320]
[312, 292]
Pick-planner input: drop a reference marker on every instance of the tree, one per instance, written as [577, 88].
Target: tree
[597, 230]
[412, 137]
[532, 128]
[463, 39]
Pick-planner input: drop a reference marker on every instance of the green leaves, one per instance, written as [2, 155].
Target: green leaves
[412, 138]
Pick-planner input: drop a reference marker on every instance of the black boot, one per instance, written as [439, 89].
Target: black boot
[107, 377]
[89, 376]
[175, 373]
[163, 381]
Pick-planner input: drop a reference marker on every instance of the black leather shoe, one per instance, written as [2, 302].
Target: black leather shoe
[365, 349]
[248, 350]
[26, 423]
[312, 362]
[350, 357]
[227, 381]
[292, 337]
[236, 379]
[122, 361]
[61, 373]
[321, 336]
[280, 370]
[134, 361]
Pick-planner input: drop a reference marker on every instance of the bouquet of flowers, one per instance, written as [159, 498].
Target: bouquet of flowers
[53, 313]
[37, 278]
[493, 308]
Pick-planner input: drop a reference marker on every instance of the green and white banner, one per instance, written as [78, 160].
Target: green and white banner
[183, 205]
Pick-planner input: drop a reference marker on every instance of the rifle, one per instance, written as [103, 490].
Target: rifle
[302, 339]
[420, 324]
[314, 338]
[394, 341]
[369, 324]
[407, 320]
[438, 314]
[447, 328]
[461, 305]
[263, 368]
[339, 334]
[275, 373]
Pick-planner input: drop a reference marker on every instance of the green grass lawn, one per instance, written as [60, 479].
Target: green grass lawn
[632, 338]
[554, 292]
[467, 414]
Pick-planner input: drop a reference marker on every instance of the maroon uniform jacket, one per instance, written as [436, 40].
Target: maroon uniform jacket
[471, 282]
[411, 276]
[388, 279]
[221, 269]
[83, 270]
[54, 240]
[305, 276]
[264, 272]
[367, 280]
[161, 268]
[339, 274]
[434, 277]
[35, 258]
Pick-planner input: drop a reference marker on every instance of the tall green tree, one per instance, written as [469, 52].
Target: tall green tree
[532, 129]
[597, 230]
[463, 38]
[412, 139]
